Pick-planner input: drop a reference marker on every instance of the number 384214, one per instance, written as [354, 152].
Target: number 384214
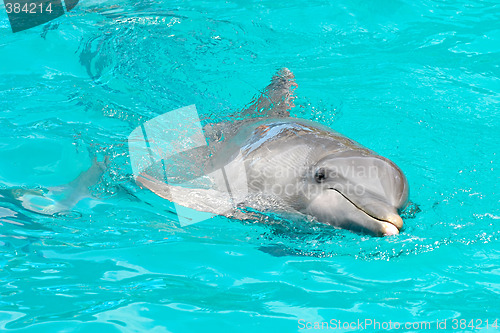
[474, 324]
[28, 8]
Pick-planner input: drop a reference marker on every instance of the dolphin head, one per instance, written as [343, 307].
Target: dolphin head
[359, 191]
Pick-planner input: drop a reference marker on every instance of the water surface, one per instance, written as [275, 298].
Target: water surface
[418, 82]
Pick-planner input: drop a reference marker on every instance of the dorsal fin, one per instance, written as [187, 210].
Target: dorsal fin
[276, 99]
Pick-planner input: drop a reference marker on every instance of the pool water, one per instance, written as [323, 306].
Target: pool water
[416, 81]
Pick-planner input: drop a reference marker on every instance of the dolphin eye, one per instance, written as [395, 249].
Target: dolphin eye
[320, 175]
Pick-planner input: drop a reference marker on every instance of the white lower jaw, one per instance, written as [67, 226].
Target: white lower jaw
[389, 229]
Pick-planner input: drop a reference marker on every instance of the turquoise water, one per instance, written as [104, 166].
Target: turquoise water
[416, 81]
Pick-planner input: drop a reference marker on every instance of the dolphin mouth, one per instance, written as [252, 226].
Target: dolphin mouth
[391, 224]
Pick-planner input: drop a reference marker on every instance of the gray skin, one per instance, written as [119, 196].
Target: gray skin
[321, 173]
[265, 160]
[272, 162]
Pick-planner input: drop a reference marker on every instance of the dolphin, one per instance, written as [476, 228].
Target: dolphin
[265, 160]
